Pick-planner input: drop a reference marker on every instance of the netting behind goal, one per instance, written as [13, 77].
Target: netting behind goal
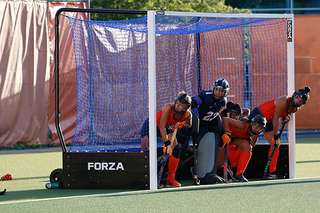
[191, 52]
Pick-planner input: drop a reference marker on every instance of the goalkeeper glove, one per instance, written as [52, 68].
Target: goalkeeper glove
[226, 137]
[276, 140]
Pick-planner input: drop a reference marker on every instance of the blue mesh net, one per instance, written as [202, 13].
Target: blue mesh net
[191, 52]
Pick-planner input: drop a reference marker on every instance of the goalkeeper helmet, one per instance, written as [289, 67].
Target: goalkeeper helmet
[303, 94]
[184, 99]
[257, 124]
[221, 85]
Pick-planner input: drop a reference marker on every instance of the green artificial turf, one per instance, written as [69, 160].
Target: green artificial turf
[27, 192]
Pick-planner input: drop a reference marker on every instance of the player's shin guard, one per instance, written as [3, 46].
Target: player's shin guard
[232, 149]
[243, 163]
[274, 160]
[172, 168]
[235, 161]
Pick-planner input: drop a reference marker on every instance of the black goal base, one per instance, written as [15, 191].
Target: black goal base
[105, 170]
[254, 169]
[259, 160]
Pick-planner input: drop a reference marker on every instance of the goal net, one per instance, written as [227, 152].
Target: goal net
[192, 50]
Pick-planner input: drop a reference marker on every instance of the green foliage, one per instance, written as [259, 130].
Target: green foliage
[118, 5]
[213, 6]
[18, 146]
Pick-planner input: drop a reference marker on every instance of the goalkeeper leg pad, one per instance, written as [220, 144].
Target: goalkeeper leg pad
[216, 149]
[206, 154]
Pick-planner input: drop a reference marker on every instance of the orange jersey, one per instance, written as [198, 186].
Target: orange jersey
[236, 133]
[268, 108]
[170, 120]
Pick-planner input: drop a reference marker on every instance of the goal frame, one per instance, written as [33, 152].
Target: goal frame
[152, 80]
[152, 76]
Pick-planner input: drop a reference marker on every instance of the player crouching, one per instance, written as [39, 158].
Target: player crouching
[239, 133]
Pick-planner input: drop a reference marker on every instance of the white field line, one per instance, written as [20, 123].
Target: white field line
[155, 191]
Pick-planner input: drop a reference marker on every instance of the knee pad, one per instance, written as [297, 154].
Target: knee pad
[176, 152]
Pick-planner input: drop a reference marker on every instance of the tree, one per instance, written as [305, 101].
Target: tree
[116, 4]
[214, 6]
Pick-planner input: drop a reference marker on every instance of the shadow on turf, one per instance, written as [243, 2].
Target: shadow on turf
[222, 185]
[308, 161]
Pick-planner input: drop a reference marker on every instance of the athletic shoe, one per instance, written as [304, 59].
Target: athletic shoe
[240, 178]
[274, 176]
[211, 178]
[232, 172]
[173, 183]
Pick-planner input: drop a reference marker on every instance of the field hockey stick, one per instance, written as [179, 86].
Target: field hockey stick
[193, 131]
[3, 192]
[265, 173]
[225, 165]
[196, 180]
[165, 159]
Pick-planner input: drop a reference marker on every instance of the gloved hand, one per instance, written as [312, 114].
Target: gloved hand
[276, 140]
[226, 137]
[180, 125]
[286, 119]
[165, 146]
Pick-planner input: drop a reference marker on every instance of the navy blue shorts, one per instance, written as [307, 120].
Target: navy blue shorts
[145, 129]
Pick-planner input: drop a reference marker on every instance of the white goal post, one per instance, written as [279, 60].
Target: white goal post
[152, 79]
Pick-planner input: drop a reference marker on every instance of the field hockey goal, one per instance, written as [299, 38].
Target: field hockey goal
[128, 70]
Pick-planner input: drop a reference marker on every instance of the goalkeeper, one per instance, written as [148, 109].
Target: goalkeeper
[207, 105]
[239, 133]
[170, 117]
[282, 106]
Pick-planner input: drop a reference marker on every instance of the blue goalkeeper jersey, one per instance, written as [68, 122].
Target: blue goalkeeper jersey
[207, 106]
